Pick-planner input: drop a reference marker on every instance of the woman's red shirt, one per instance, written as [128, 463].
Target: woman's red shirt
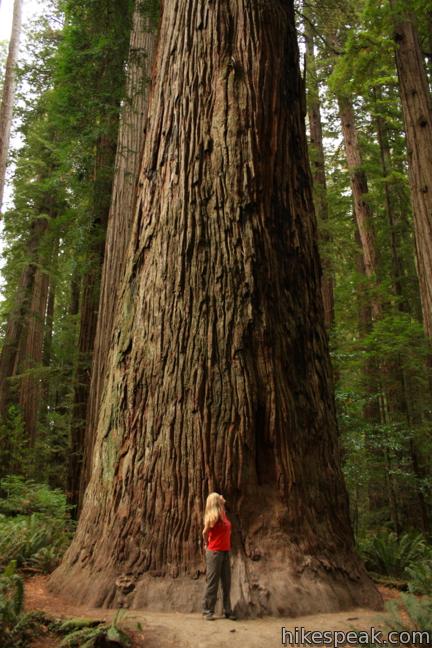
[219, 536]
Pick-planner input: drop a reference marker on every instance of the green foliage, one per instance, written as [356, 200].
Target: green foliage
[150, 9]
[82, 633]
[420, 576]
[387, 554]
[70, 93]
[417, 615]
[11, 593]
[24, 497]
[14, 451]
[17, 628]
[414, 617]
[3, 57]
[34, 526]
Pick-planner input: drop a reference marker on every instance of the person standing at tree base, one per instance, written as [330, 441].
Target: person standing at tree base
[217, 541]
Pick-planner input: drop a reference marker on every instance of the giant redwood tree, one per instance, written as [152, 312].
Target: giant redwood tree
[218, 374]
[417, 112]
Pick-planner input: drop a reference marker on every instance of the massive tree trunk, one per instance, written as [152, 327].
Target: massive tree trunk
[318, 172]
[128, 157]
[359, 187]
[6, 107]
[417, 112]
[219, 373]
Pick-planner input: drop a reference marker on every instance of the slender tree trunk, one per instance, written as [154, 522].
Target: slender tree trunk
[392, 497]
[398, 397]
[371, 412]
[74, 292]
[429, 68]
[219, 372]
[47, 351]
[390, 209]
[419, 466]
[17, 319]
[363, 304]
[30, 356]
[22, 345]
[417, 112]
[128, 157]
[62, 390]
[318, 173]
[7, 102]
[90, 290]
[359, 187]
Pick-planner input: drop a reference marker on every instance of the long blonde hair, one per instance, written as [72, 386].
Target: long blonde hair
[213, 510]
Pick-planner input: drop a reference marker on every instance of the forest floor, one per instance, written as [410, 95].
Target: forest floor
[175, 630]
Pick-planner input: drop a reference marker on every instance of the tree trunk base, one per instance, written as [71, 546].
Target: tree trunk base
[259, 587]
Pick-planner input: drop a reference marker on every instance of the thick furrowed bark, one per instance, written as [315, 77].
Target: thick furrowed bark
[417, 111]
[219, 375]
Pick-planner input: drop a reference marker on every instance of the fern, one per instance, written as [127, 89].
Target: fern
[387, 554]
[418, 613]
[83, 633]
[420, 577]
[35, 528]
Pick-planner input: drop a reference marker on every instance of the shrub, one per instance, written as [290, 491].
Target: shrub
[418, 616]
[387, 554]
[420, 577]
[24, 497]
[82, 633]
[35, 528]
[16, 627]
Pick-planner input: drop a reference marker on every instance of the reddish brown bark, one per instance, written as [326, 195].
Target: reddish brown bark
[129, 150]
[318, 174]
[359, 187]
[219, 373]
[30, 356]
[417, 112]
[23, 344]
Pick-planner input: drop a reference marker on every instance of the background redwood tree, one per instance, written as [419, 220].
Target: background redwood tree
[416, 104]
[219, 374]
[128, 157]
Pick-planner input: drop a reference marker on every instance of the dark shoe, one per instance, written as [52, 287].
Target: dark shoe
[231, 616]
[209, 616]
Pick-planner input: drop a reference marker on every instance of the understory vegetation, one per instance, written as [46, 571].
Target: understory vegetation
[72, 91]
[18, 628]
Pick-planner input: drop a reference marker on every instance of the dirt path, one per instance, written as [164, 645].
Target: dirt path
[175, 630]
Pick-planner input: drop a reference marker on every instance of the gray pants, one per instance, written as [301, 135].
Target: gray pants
[218, 567]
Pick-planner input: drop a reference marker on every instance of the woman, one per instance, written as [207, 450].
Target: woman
[217, 541]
